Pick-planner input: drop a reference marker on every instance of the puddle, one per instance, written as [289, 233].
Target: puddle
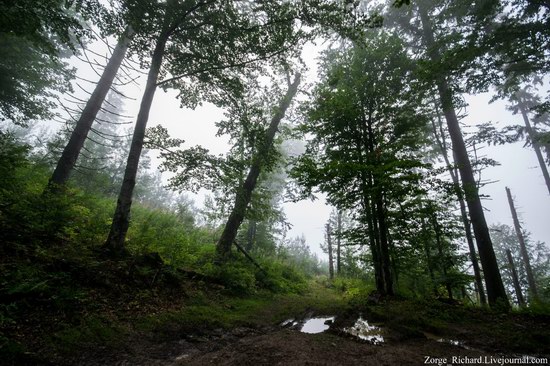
[365, 331]
[452, 342]
[288, 322]
[316, 325]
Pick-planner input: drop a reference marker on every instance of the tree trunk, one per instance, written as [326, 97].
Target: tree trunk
[471, 246]
[493, 281]
[373, 241]
[244, 194]
[430, 266]
[338, 242]
[463, 212]
[515, 279]
[250, 235]
[121, 218]
[330, 256]
[427, 251]
[71, 151]
[536, 145]
[375, 225]
[442, 255]
[375, 246]
[384, 246]
[524, 254]
[361, 148]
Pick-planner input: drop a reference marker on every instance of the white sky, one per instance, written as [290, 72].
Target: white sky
[519, 170]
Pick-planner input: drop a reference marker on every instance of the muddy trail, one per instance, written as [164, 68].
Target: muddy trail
[315, 339]
[323, 325]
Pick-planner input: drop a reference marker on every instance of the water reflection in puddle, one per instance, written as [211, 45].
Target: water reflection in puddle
[316, 325]
[365, 331]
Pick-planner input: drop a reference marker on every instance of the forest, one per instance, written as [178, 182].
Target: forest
[153, 154]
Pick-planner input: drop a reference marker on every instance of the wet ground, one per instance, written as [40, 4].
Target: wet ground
[316, 341]
[309, 340]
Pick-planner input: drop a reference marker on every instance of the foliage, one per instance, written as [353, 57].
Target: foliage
[368, 130]
[505, 238]
[352, 288]
[33, 39]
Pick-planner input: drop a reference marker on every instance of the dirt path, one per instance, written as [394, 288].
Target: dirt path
[282, 346]
[254, 338]
[291, 347]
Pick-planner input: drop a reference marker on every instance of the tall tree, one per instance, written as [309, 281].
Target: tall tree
[495, 288]
[119, 227]
[246, 124]
[523, 247]
[244, 194]
[365, 128]
[505, 238]
[517, 287]
[186, 32]
[77, 139]
[440, 137]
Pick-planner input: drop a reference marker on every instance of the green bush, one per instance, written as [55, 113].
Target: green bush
[355, 289]
[281, 278]
[235, 275]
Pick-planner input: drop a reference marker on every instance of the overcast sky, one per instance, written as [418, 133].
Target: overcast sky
[518, 170]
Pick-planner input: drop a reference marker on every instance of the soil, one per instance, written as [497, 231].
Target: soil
[290, 347]
[278, 345]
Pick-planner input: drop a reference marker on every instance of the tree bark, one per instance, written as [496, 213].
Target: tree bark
[536, 145]
[374, 233]
[515, 279]
[523, 247]
[330, 256]
[121, 218]
[70, 154]
[463, 212]
[244, 194]
[384, 245]
[495, 288]
[363, 147]
[338, 241]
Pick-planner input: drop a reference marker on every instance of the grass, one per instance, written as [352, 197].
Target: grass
[261, 309]
[204, 310]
